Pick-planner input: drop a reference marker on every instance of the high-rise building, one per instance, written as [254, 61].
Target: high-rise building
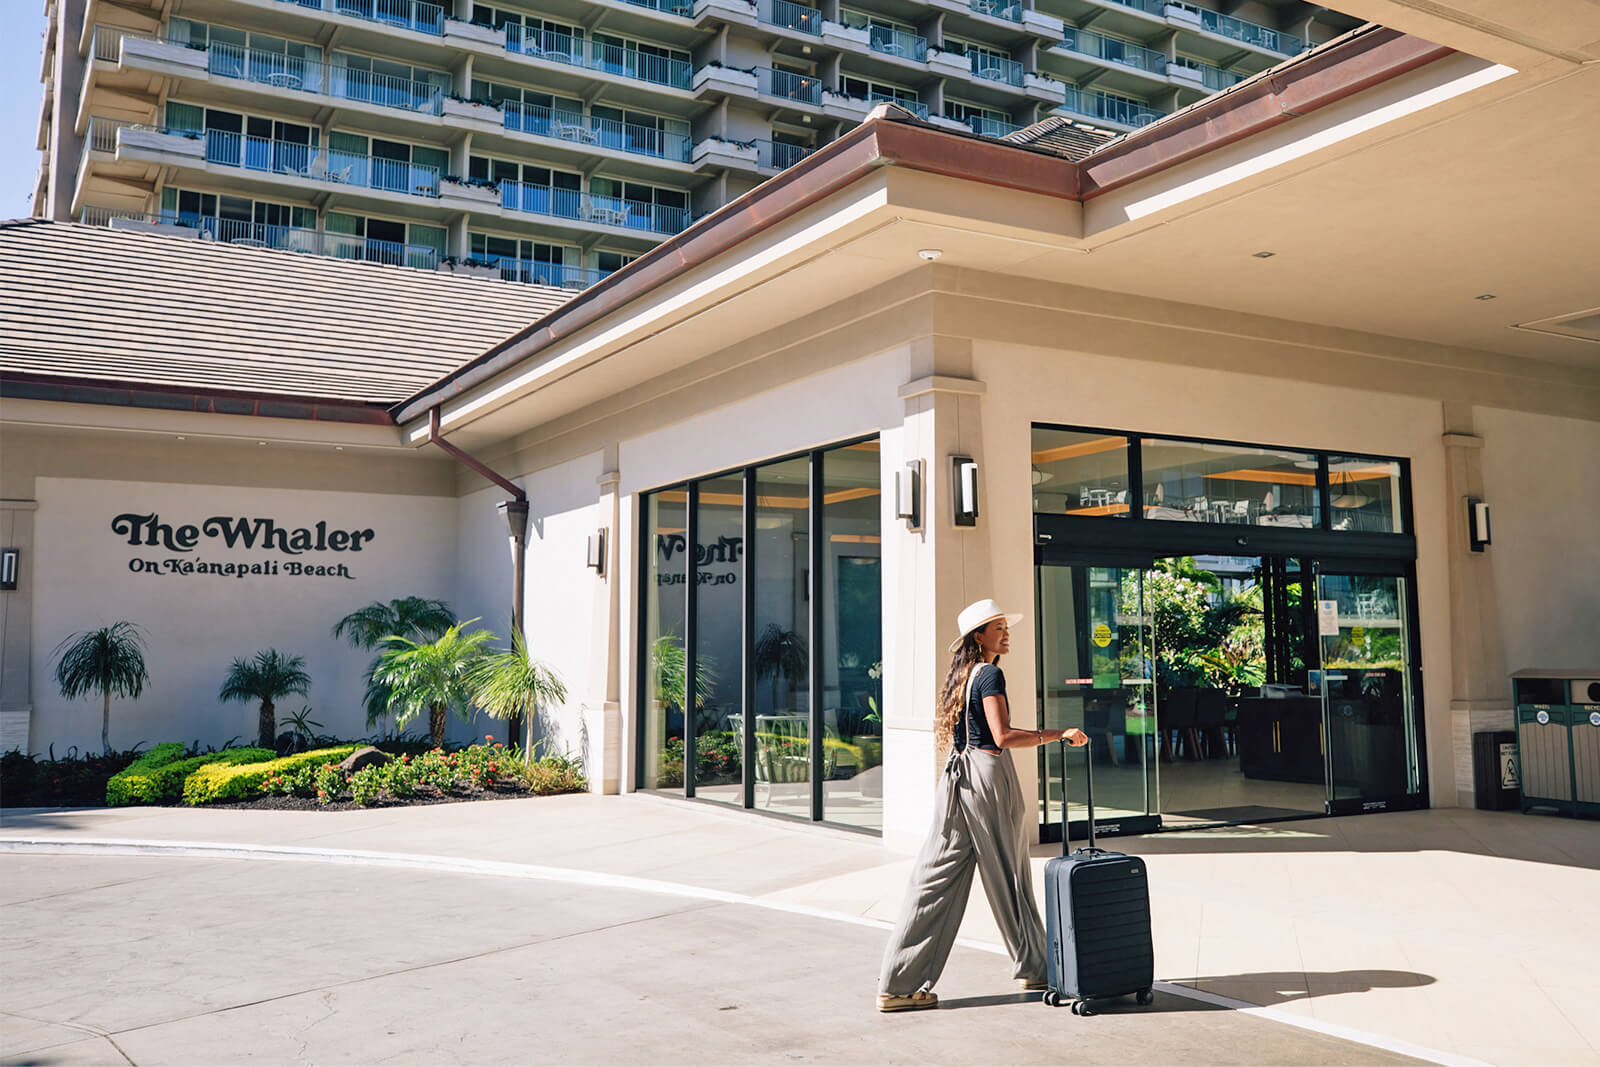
[555, 140]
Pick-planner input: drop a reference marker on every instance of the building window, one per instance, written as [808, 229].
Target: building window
[761, 610]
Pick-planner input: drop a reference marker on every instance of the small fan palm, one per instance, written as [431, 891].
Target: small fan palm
[105, 661]
[414, 617]
[780, 653]
[431, 676]
[269, 677]
[509, 684]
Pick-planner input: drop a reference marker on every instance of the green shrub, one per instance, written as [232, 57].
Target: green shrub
[297, 782]
[329, 783]
[554, 774]
[243, 781]
[366, 785]
[158, 777]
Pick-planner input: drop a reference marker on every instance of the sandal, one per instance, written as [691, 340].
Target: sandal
[1033, 985]
[917, 1001]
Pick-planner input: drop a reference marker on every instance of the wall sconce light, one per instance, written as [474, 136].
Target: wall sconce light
[10, 563]
[597, 552]
[1477, 523]
[908, 494]
[964, 485]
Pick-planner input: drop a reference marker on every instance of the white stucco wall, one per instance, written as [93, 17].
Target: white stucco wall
[1541, 477]
[196, 624]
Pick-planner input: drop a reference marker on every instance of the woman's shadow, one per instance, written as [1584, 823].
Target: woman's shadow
[1223, 992]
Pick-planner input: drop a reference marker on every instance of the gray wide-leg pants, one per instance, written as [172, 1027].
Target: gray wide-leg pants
[979, 822]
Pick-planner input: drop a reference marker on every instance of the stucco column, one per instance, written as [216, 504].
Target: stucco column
[602, 700]
[16, 628]
[1480, 696]
[939, 569]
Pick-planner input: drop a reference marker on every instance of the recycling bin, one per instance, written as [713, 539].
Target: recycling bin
[1558, 740]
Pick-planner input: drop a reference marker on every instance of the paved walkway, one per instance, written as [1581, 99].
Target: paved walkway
[515, 930]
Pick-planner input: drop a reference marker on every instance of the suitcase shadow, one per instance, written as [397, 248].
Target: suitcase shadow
[1165, 1003]
[1267, 988]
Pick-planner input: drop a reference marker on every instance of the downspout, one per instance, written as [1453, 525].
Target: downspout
[515, 511]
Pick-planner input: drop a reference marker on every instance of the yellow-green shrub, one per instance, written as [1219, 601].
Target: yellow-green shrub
[243, 781]
[158, 776]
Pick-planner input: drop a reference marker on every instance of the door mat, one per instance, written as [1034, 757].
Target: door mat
[1245, 813]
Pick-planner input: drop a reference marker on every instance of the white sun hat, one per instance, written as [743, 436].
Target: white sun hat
[977, 614]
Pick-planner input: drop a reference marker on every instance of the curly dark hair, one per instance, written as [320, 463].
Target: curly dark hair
[962, 662]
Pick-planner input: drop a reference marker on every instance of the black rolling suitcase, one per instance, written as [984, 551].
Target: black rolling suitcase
[1096, 918]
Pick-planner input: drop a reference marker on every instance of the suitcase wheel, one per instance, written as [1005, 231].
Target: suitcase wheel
[1052, 998]
[1146, 996]
[1081, 1007]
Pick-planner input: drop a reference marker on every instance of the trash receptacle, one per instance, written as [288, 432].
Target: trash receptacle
[1558, 740]
[1495, 777]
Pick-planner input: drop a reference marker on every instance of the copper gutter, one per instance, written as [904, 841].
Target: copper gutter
[21, 385]
[1362, 60]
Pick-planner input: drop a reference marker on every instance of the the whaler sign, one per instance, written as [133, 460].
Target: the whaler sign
[238, 532]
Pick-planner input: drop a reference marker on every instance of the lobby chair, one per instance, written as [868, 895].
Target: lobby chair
[1177, 719]
[1210, 714]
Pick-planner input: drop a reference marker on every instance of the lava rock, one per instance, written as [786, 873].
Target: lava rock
[363, 757]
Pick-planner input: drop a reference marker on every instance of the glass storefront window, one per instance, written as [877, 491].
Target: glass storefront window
[665, 677]
[719, 638]
[852, 635]
[782, 653]
[1078, 473]
[1192, 481]
[1364, 494]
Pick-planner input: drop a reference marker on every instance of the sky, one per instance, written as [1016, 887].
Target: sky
[21, 48]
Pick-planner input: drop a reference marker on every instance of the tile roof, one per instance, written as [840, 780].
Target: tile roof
[86, 302]
[1063, 136]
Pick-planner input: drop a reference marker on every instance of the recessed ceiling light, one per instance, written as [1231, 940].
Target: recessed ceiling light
[931, 254]
[1485, 296]
[338, 448]
[1263, 255]
[806, 119]
[261, 443]
[182, 438]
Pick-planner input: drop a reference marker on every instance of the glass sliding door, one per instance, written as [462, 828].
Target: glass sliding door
[1367, 685]
[1096, 674]
[782, 652]
[664, 658]
[718, 638]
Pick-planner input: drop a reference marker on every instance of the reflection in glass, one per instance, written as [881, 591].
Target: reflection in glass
[1080, 473]
[852, 635]
[666, 659]
[719, 638]
[781, 566]
[1364, 494]
[1366, 684]
[1190, 481]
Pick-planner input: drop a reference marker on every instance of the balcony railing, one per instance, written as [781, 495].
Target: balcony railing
[106, 42]
[1214, 78]
[987, 127]
[1114, 51]
[681, 8]
[407, 14]
[897, 43]
[611, 59]
[576, 128]
[916, 107]
[790, 16]
[102, 136]
[1248, 32]
[805, 88]
[586, 207]
[1000, 9]
[1157, 8]
[229, 149]
[284, 238]
[1095, 104]
[995, 69]
[540, 272]
[309, 76]
[778, 155]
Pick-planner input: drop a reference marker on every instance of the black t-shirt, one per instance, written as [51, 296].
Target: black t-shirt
[987, 680]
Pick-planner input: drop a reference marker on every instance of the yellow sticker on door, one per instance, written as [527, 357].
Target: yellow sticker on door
[1102, 635]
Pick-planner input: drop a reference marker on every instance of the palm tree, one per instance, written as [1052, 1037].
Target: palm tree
[267, 678]
[511, 683]
[780, 653]
[413, 617]
[431, 676]
[108, 660]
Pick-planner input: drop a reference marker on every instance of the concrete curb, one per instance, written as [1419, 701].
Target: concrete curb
[112, 846]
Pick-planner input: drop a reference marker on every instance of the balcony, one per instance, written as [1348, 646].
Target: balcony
[1098, 105]
[261, 235]
[802, 88]
[1000, 9]
[300, 75]
[542, 272]
[995, 69]
[897, 43]
[987, 127]
[1237, 29]
[1212, 78]
[584, 207]
[790, 16]
[415, 15]
[916, 107]
[605, 58]
[681, 8]
[1112, 50]
[778, 155]
[1149, 7]
[575, 128]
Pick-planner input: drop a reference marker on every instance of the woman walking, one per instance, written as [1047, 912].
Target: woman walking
[979, 822]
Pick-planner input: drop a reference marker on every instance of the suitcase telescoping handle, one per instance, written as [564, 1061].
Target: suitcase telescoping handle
[1088, 786]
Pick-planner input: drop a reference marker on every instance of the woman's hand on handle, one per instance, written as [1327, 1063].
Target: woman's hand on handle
[1074, 737]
